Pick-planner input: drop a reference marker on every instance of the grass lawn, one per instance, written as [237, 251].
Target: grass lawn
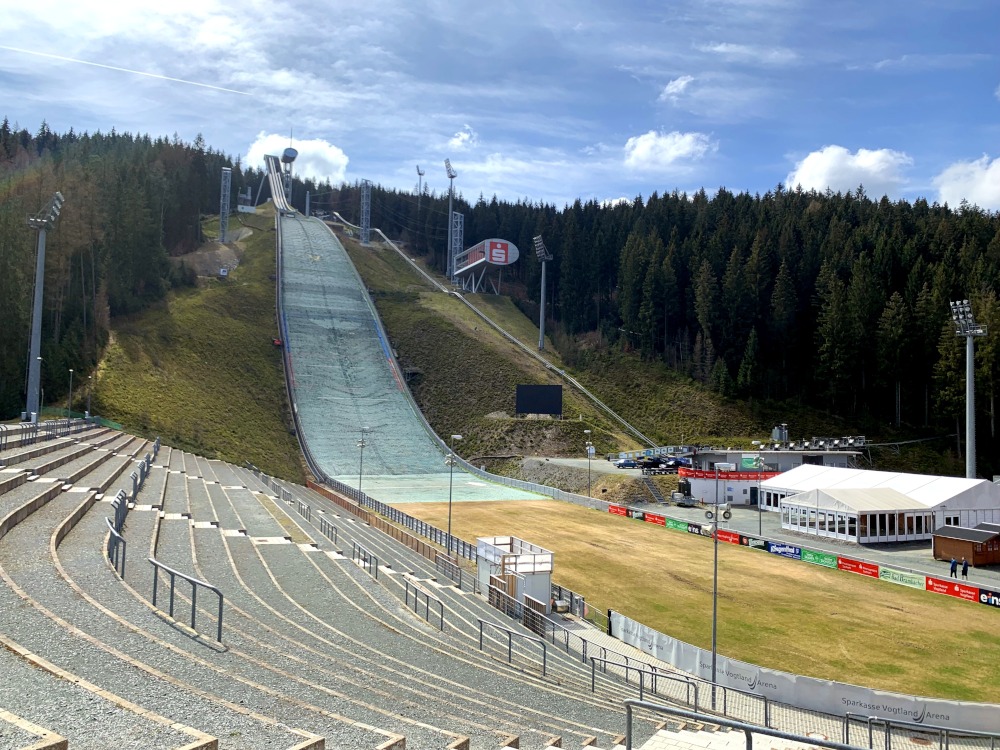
[774, 612]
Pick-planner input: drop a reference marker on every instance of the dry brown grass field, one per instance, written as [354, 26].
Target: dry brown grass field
[780, 613]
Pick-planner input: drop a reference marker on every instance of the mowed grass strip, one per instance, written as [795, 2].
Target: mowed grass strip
[779, 613]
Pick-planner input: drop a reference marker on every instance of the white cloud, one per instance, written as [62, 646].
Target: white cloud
[836, 168]
[675, 88]
[656, 151]
[977, 181]
[748, 53]
[317, 158]
[464, 139]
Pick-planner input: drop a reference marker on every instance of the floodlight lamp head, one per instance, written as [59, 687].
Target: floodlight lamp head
[420, 171]
[452, 174]
[540, 250]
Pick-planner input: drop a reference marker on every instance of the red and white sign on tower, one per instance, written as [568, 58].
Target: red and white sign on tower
[499, 252]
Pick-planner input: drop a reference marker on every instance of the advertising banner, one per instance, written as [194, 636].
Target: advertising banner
[728, 476]
[912, 580]
[728, 536]
[785, 550]
[618, 510]
[819, 558]
[854, 566]
[989, 598]
[753, 542]
[694, 528]
[658, 520]
[953, 588]
[825, 696]
[673, 523]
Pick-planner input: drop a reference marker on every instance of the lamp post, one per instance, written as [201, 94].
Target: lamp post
[451, 477]
[715, 585]
[760, 507]
[590, 454]
[965, 325]
[69, 400]
[43, 221]
[90, 392]
[361, 463]
[544, 256]
[452, 174]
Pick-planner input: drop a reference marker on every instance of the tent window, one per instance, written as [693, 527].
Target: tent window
[863, 518]
[852, 526]
[920, 525]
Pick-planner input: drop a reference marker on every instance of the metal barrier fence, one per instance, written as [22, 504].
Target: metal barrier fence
[327, 529]
[195, 585]
[417, 594]
[120, 507]
[116, 549]
[510, 641]
[886, 727]
[363, 557]
[748, 729]
[305, 511]
[655, 675]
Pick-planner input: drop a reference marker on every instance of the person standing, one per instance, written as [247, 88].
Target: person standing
[954, 568]
[965, 569]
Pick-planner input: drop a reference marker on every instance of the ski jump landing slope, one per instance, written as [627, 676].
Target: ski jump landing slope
[343, 378]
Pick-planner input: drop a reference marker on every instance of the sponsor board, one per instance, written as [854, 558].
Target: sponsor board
[673, 523]
[819, 558]
[637, 514]
[728, 536]
[903, 578]
[855, 566]
[618, 510]
[727, 476]
[694, 528]
[753, 542]
[953, 588]
[784, 550]
[808, 693]
[989, 598]
[658, 520]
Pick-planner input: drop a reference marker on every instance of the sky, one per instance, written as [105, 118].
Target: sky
[535, 99]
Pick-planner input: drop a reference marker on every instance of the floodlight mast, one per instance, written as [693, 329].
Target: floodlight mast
[544, 256]
[452, 174]
[43, 221]
[965, 325]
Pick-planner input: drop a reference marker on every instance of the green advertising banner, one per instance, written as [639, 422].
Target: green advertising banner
[903, 579]
[676, 525]
[819, 558]
[748, 463]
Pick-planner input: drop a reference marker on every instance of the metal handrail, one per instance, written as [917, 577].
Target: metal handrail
[325, 527]
[116, 541]
[747, 729]
[510, 641]
[304, 510]
[363, 557]
[195, 583]
[417, 591]
[944, 733]
[655, 674]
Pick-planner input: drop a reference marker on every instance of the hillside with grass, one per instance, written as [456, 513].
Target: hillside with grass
[200, 369]
[463, 375]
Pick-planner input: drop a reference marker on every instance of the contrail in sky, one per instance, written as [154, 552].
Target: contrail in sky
[123, 70]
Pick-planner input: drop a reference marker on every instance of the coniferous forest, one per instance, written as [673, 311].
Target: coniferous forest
[835, 301]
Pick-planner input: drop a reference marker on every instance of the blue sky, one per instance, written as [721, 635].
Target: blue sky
[542, 100]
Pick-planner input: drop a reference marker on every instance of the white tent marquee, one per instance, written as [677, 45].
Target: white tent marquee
[879, 506]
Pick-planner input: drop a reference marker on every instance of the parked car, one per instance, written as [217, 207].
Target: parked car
[626, 463]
